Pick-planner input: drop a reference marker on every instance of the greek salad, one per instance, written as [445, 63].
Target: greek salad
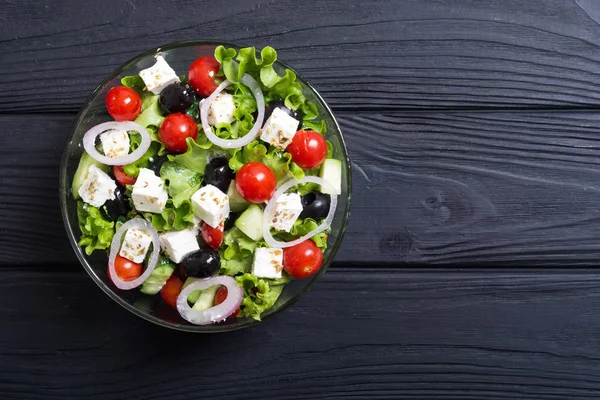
[212, 189]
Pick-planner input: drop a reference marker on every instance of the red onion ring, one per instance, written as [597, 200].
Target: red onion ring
[116, 245]
[213, 314]
[89, 142]
[253, 133]
[270, 208]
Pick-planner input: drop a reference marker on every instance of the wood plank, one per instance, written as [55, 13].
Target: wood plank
[440, 188]
[370, 54]
[359, 334]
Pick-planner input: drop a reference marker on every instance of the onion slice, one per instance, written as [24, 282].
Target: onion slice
[216, 313]
[253, 133]
[268, 214]
[116, 245]
[89, 142]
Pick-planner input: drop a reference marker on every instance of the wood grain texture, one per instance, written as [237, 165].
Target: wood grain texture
[470, 189]
[359, 334]
[378, 55]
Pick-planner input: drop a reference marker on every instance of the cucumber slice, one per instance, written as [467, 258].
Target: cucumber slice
[236, 202]
[157, 278]
[85, 163]
[193, 297]
[250, 222]
[331, 171]
[151, 114]
[207, 298]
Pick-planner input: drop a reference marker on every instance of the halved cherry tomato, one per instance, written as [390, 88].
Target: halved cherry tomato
[175, 129]
[171, 290]
[123, 103]
[308, 149]
[213, 236]
[220, 297]
[255, 182]
[303, 259]
[122, 177]
[126, 269]
[201, 75]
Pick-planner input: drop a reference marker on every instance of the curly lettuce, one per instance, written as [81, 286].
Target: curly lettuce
[279, 162]
[259, 295]
[181, 183]
[236, 252]
[300, 228]
[196, 155]
[172, 217]
[235, 64]
[96, 231]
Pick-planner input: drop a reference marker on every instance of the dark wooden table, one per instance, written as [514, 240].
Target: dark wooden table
[469, 267]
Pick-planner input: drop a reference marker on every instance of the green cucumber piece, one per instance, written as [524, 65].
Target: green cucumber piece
[85, 163]
[158, 277]
[331, 171]
[207, 298]
[250, 222]
[236, 202]
[193, 297]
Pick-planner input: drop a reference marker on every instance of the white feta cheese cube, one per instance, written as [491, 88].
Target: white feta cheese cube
[135, 245]
[210, 205]
[221, 110]
[279, 130]
[288, 207]
[177, 244]
[158, 76]
[268, 263]
[97, 187]
[115, 143]
[149, 193]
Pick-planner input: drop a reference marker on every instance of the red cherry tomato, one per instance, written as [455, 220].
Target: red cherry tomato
[122, 177]
[303, 259]
[171, 290]
[126, 269]
[255, 182]
[213, 236]
[308, 149]
[220, 297]
[201, 75]
[123, 103]
[175, 129]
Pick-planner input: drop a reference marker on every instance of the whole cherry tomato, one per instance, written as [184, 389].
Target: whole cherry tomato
[308, 149]
[255, 182]
[123, 103]
[175, 129]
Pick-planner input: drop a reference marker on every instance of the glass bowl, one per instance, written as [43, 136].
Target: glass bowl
[180, 55]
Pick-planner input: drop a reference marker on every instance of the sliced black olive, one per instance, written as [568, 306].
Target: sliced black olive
[156, 163]
[280, 104]
[315, 205]
[201, 263]
[116, 207]
[218, 173]
[177, 97]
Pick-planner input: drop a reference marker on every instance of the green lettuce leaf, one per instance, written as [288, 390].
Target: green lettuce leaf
[259, 295]
[181, 183]
[173, 217]
[280, 163]
[135, 82]
[300, 228]
[151, 113]
[274, 86]
[237, 252]
[96, 232]
[196, 155]
[133, 169]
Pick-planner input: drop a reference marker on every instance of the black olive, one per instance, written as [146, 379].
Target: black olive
[315, 205]
[218, 173]
[201, 263]
[156, 163]
[177, 97]
[116, 207]
[280, 104]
